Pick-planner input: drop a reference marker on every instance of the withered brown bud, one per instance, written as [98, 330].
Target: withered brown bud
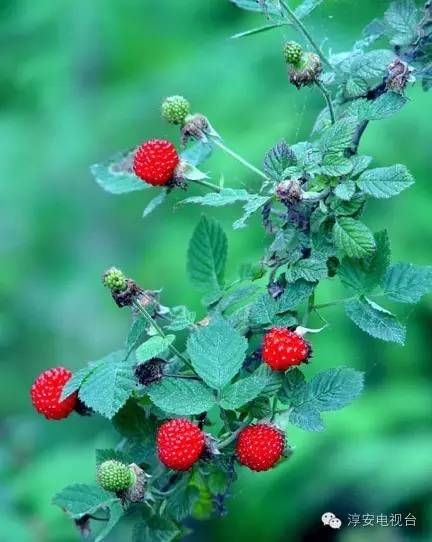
[126, 297]
[307, 71]
[399, 75]
[150, 372]
[196, 127]
[136, 492]
[289, 191]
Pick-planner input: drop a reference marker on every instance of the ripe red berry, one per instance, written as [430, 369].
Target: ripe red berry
[180, 443]
[46, 391]
[283, 348]
[155, 162]
[260, 446]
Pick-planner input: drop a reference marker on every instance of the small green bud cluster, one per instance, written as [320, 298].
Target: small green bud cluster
[114, 476]
[175, 109]
[114, 279]
[292, 52]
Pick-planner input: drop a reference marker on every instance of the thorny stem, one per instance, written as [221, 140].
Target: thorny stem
[161, 332]
[328, 99]
[301, 27]
[239, 158]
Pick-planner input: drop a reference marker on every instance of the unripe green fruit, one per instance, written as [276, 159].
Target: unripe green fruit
[175, 109]
[114, 476]
[114, 279]
[292, 52]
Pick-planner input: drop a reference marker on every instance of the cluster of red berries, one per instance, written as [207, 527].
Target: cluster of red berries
[180, 443]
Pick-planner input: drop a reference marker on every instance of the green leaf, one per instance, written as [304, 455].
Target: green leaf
[109, 385]
[360, 163]
[339, 136]
[153, 347]
[183, 397]
[364, 275]
[243, 391]
[346, 190]
[310, 269]
[375, 320]
[116, 512]
[401, 20]
[407, 283]
[78, 378]
[116, 174]
[307, 417]
[132, 422]
[81, 499]
[294, 294]
[353, 237]
[197, 153]
[207, 254]
[156, 529]
[180, 318]
[292, 386]
[217, 352]
[372, 65]
[336, 388]
[254, 203]
[255, 5]
[227, 196]
[336, 165]
[383, 107]
[154, 203]
[108, 454]
[277, 159]
[386, 181]
[306, 7]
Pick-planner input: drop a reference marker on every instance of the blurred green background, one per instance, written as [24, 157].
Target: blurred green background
[82, 79]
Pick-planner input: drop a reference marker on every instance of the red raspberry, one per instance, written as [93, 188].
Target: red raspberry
[46, 392]
[155, 161]
[283, 348]
[180, 444]
[260, 446]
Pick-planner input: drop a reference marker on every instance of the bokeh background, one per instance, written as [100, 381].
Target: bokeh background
[80, 80]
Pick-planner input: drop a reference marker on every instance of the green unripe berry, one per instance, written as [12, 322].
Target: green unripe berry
[175, 109]
[114, 279]
[292, 52]
[114, 476]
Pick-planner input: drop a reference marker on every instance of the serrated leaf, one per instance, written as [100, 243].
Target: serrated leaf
[254, 203]
[180, 318]
[364, 275]
[336, 388]
[292, 386]
[81, 499]
[336, 165]
[154, 203]
[371, 65]
[116, 174]
[277, 159]
[383, 107]
[156, 529]
[256, 5]
[227, 196]
[109, 385]
[386, 181]
[107, 454]
[339, 136]
[310, 269]
[294, 294]
[353, 237]
[207, 254]
[115, 514]
[78, 378]
[346, 190]
[407, 283]
[307, 417]
[198, 153]
[217, 352]
[401, 20]
[153, 347]
[360, 163]
[137, 329]
[375, 320]
[243, 391]
[183, 397]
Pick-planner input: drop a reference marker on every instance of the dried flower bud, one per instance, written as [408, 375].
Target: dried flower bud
[399, 75]
[289, 191]
[195, 127]
[307, 71]
[136, 492]
[150, 372]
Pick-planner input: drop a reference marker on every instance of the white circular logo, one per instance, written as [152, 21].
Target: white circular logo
[327, 517]
[335, 523]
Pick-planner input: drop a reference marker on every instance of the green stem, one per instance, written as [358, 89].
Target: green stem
[301, 27]
[310, 307]
[328, 99]
[207, 184]
[239, 158]
[334, 303]
[161, 333]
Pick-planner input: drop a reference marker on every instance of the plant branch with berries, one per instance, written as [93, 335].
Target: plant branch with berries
[195, 399]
